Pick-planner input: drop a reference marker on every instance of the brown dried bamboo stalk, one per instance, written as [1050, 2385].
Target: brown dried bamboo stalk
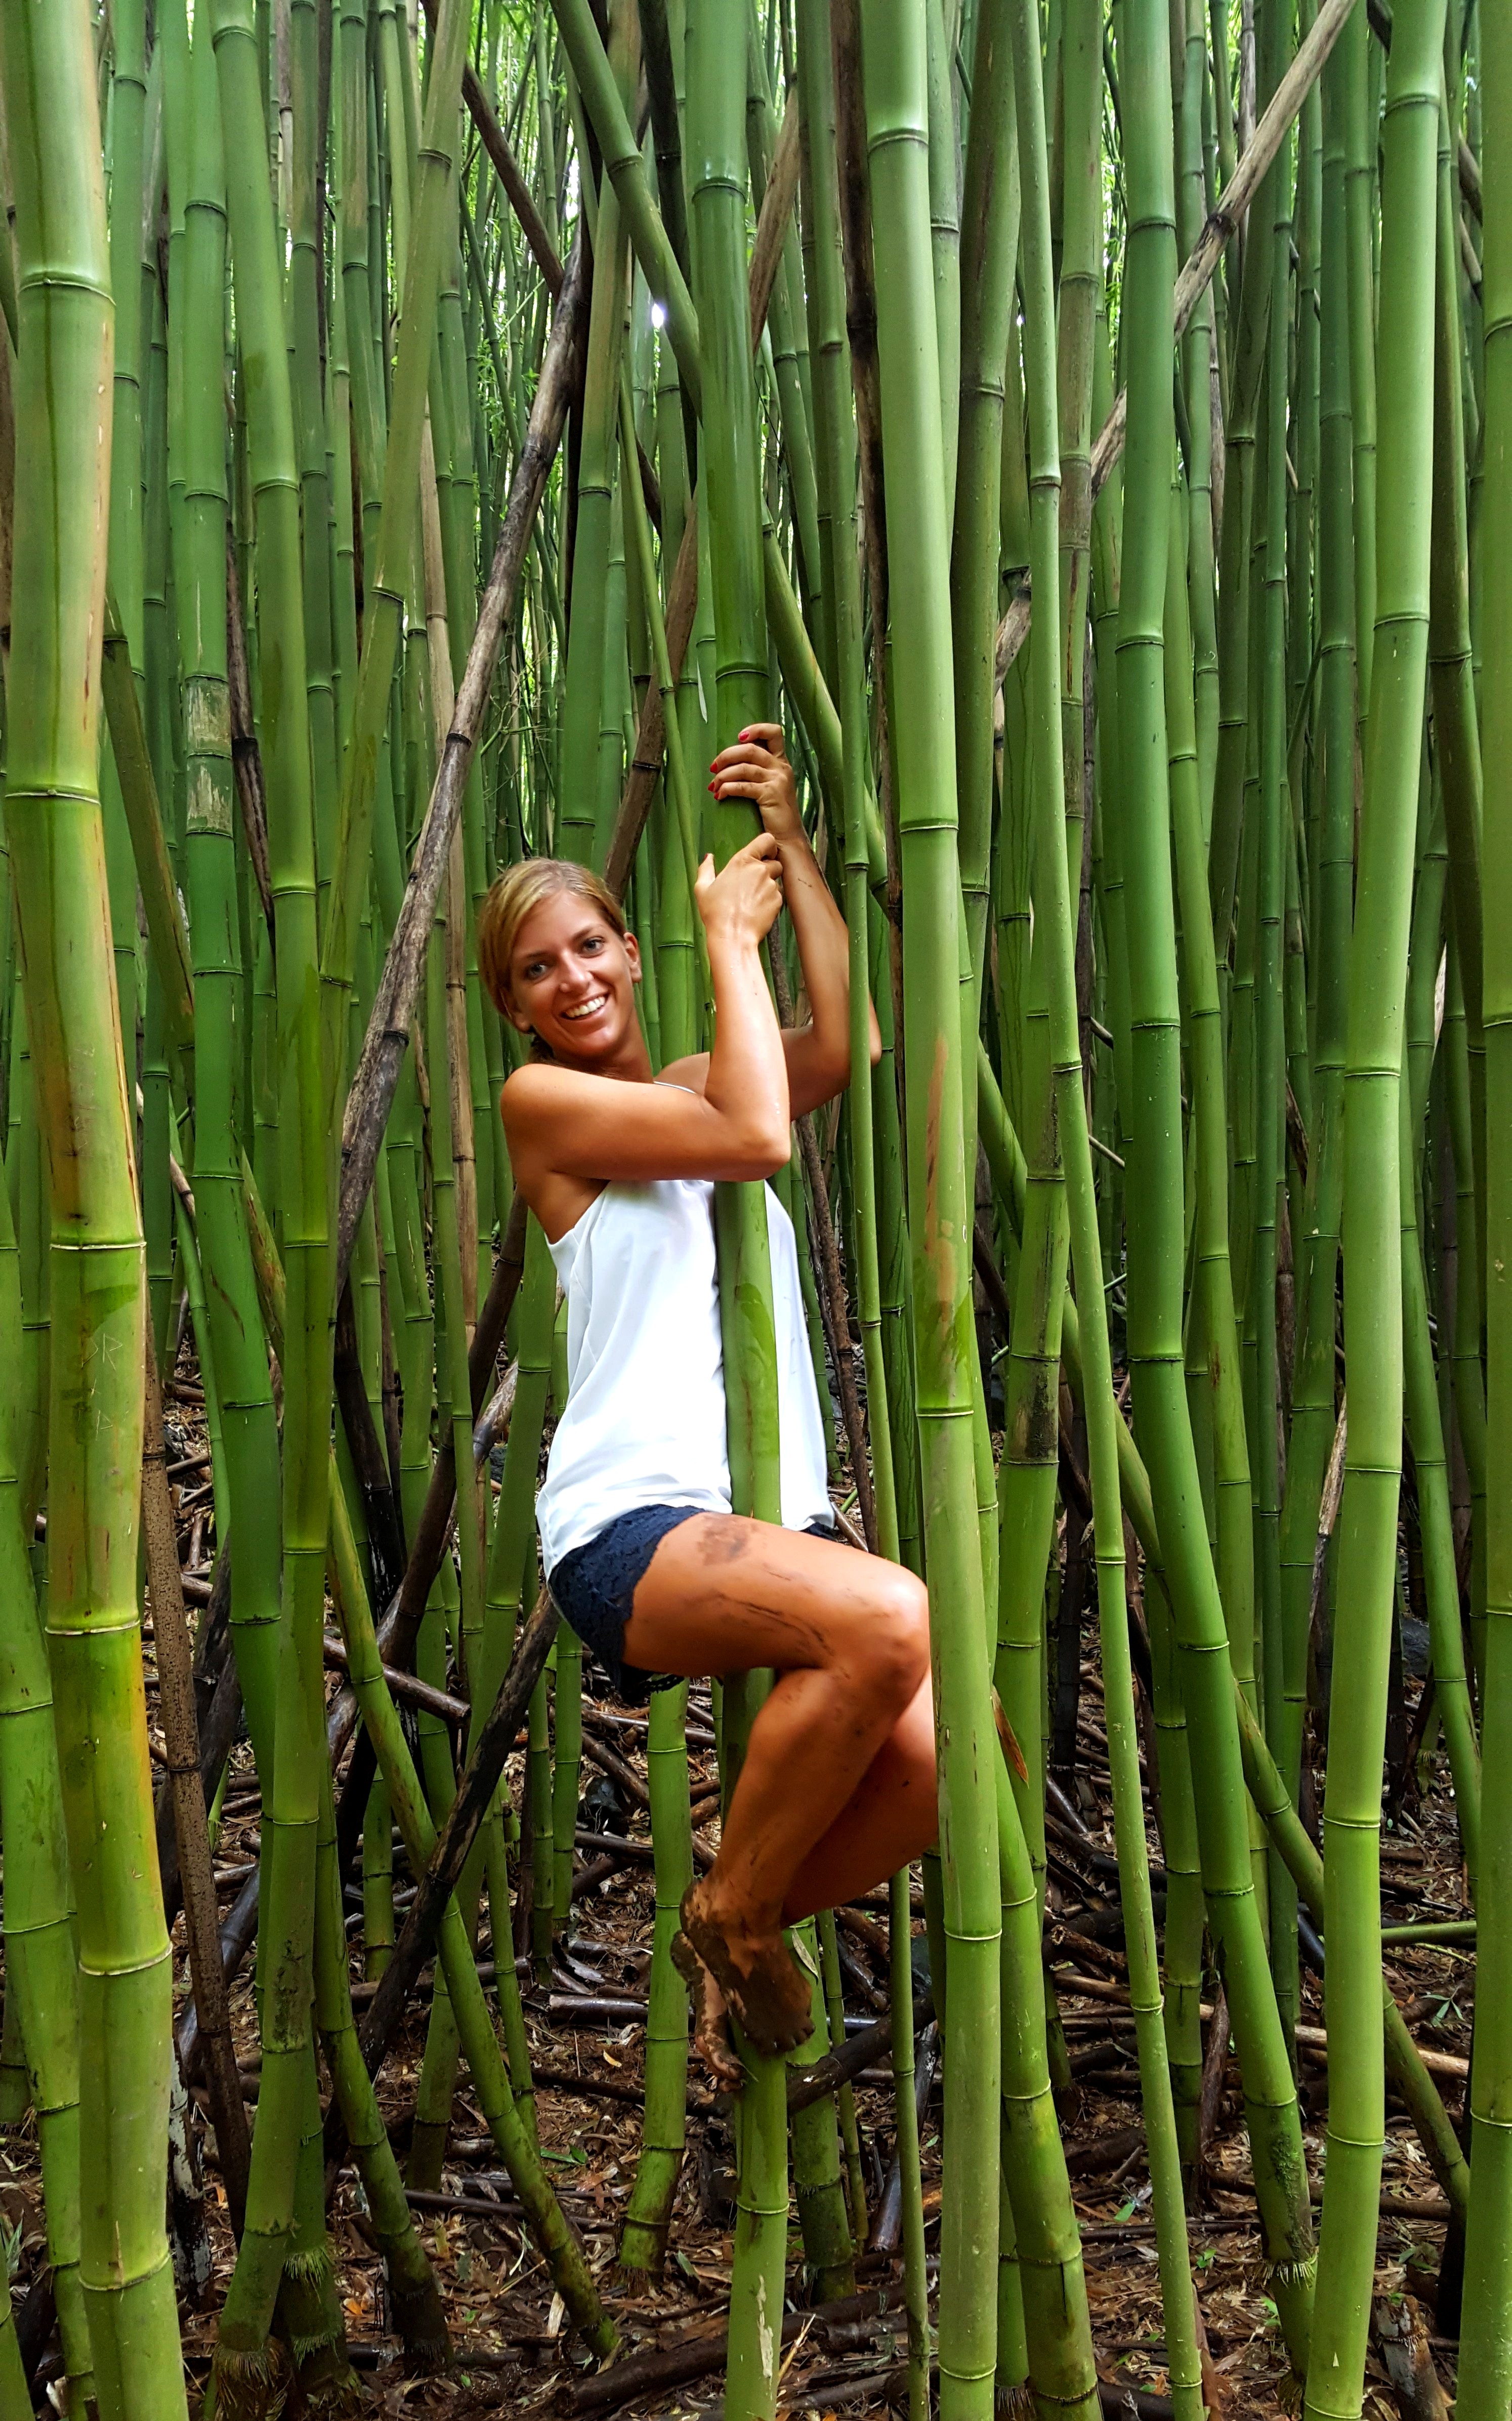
[475, 1796]
[401, 1626]
[388, 1026]
[497, 144]
[455, 1711]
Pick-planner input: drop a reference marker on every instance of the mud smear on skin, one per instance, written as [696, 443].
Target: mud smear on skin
[764, 1989]
[807, 1640]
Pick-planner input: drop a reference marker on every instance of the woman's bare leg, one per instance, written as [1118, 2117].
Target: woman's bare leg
[849, 1635]
[890, 1819]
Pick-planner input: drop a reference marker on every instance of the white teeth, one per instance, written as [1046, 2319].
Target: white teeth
[586, 1008]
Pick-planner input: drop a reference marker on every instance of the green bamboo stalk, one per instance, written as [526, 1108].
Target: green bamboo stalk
[1029, 1464]
[97, 1309]
[1404, 2061]
[417, 1831]
[1372, 1237]
[390, 568]
[1053, 888]
[41, 1981]
[819, 2189]
[1154, 1200]
[1078, 291]
[922, 730]
[305, 278]
[846, 2099]
[648, 2214]
[990, 218]
[1248, 353]
[26, 1171]
[1027, 1471]
[1451, 670]
[1441, 1577]
[13, 2078]
[128, 134]
[1302, 498]
[1213, 1316]
[730, 492]
[415, 2297]
[249, 1430]
[433, 2100]
[378, 1934]
[944, 228]
[643, 2243]
[1197, 365]
[1484, 2378]
[569, 2270]
[566, 1773]
[590, 628]
[786, 329]
[156, 1193]
[837, 506]
[245, 2360]
[1273, 842]
[1360, 143]
[511, 1565]
[1314, 1381]
[543, 1845]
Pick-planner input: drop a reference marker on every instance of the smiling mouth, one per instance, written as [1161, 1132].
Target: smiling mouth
[585, 1008]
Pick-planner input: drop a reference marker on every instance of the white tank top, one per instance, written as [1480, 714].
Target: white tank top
[645, 1417]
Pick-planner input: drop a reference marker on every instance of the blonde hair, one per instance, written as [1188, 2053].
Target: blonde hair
[517, 893]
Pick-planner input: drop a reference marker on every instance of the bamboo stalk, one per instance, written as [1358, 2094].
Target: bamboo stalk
[388, 1025]
[180, 1734]
[1154, 1201]
[922, 735]
[1485, 2377]
[1372, 1235]
[96, 1301]
[1198, 269]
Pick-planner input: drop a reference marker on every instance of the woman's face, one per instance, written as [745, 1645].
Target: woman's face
[573, 981]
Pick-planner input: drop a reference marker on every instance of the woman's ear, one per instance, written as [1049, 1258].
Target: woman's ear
[632, 955]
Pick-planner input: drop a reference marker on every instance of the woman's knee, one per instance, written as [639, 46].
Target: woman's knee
[899, 1657]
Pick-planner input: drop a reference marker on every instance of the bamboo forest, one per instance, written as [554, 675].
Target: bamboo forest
[433, 431]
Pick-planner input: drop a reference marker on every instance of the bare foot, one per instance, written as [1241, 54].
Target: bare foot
[765, 1990]
[710, 2018]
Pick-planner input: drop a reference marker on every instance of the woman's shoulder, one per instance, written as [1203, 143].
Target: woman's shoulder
[534, 1091]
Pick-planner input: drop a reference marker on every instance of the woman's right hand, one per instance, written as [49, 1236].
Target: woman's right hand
[739, 905]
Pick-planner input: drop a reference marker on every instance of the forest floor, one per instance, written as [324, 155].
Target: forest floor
[511, 2350]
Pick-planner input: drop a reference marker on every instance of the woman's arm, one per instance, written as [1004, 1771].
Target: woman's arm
[568, 1122]
[819, 1054]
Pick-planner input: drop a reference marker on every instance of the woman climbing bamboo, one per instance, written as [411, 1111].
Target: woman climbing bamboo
[638, 1542]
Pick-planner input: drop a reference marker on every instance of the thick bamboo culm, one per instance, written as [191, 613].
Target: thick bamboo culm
[431, 432]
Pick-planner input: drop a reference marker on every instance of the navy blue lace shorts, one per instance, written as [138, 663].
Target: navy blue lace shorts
[594, 1587]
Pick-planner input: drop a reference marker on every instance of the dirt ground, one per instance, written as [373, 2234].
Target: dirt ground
[511, 2349]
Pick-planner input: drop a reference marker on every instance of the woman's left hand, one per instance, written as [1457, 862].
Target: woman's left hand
[757, 768]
